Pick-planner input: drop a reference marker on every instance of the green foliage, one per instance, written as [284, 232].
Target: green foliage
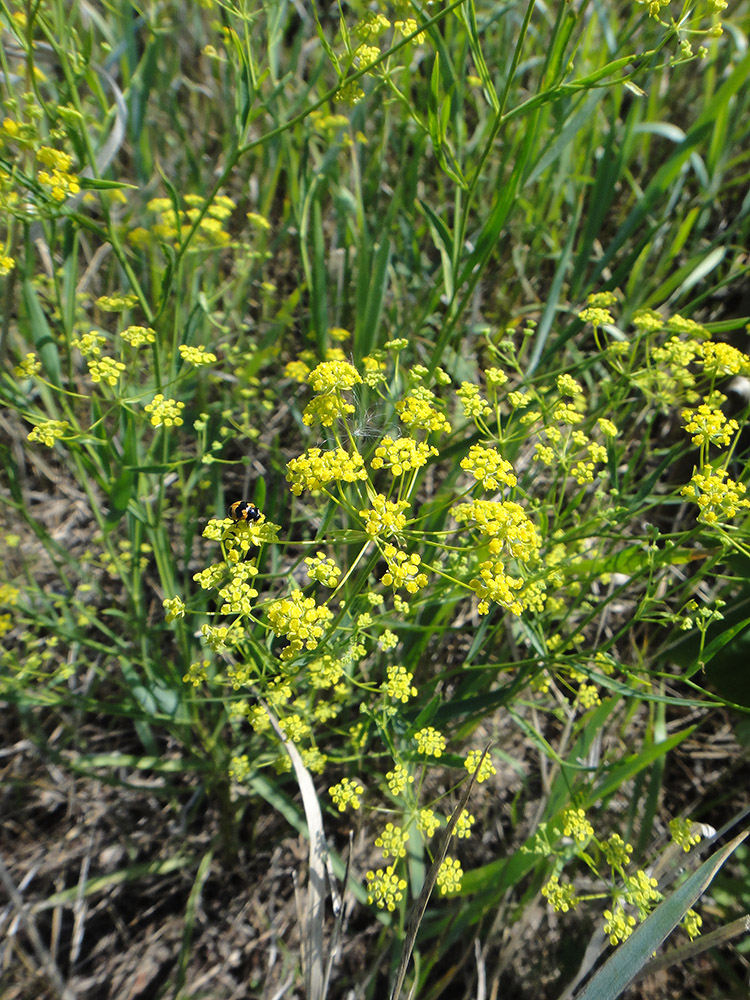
[447, 298]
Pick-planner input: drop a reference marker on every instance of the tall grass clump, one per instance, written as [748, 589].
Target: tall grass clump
[373, 454]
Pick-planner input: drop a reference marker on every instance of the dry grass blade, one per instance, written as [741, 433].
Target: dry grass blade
[311, 932]
[45, 958]
[429, 883]
[338, 909]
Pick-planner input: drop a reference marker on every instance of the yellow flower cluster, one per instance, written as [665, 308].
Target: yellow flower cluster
[494, 584]
[172, 226]
[709, 426]
[602, 299]
[566, 413]
[325, 672]
[618, 925]
[239, 767]
[220, 637]
[616, 852]
[314, 469]
[689, 327]
[427, 822]
[567, 386]
[487, 768]
[238, 594]
[430, 742]
[473, 404]
[298, 370]
[372, 25]
[138, 336]
[118, 303]
[330, 376]
[392, 841]
[402, 455]
[561, 897]
[89, 344]
[28, 367]
[374, 368]
[346, 793]
[403, 570]
[398, 779]
[596, 316]
[575, 825]
[350, 93]
[496, 378]
[385, 888]
[300, 619]
[323, 570]
[416, 410]
[165, 411]
[59, 180]
[175, 608]
[720, 360]
[588, 696]
[517, 399]
[399, 685]
[488, 468]
[295, 728]
[464, 824]
[684, 833]
[196, 355]
[407, 27]
[197, 673]
[641, 891]
[583, 472]
[449, 875]
[106, 370]
[692, 923]
[367, 54]
[385, 517]
[505, 524]
[718, 497]
[325, 410]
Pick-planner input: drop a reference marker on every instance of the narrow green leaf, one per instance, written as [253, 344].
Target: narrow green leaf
[97, 184]
[444, 242]
[41, 334]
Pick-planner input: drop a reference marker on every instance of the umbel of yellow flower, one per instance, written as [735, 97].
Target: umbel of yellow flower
[385, 517]
[329, 376]
[315, 469]
[300, 620]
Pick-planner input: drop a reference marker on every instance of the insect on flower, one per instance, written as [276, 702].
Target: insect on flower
[243, 510]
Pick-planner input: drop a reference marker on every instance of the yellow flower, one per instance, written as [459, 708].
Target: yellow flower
[315, 469]
[385, 888]
[430, 742]
[449, 876]
[393, 841]
[402, 455]
[49, 431]
[399, 685]
[385, 517]
[300, 620]
[346, 793]
[330, 376]
[709, 426]
[718, 496]
[165, 411]
[196, 355]
[105, 370]
[487, 466]
[417, 411]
